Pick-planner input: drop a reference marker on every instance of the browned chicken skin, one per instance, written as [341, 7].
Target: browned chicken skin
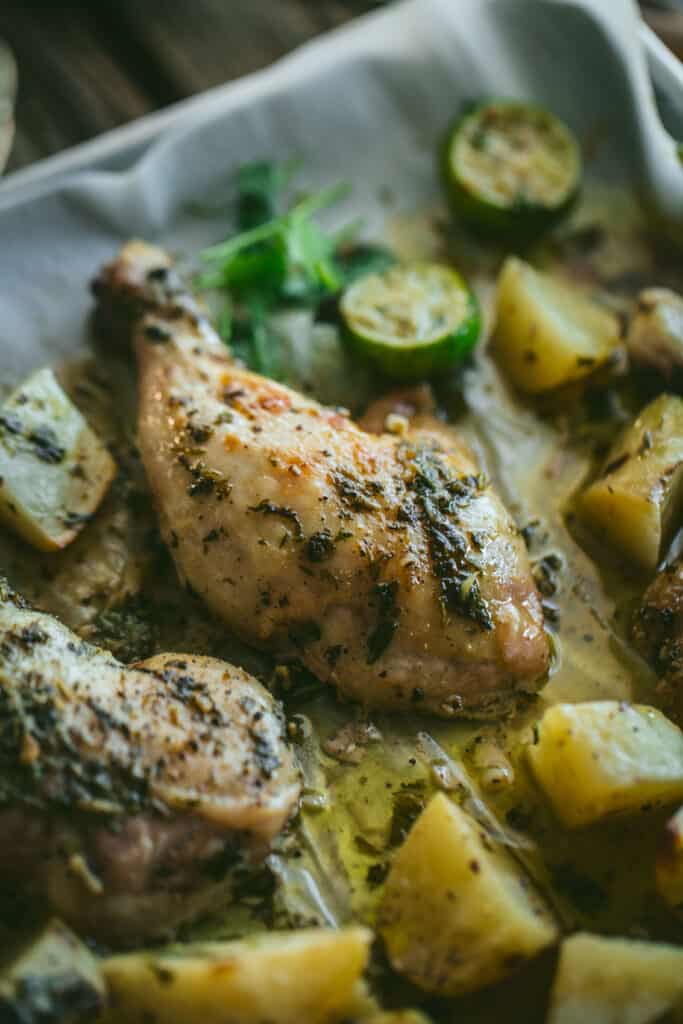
[658, 635]
[127, 793]
[386, 564]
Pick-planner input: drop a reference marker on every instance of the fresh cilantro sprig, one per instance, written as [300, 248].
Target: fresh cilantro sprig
[289, 250]
[279, 259]
[260, 186]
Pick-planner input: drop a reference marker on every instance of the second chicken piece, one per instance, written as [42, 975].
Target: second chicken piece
[127, 794]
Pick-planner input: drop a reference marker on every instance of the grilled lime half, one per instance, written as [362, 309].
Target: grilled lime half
[412, 321]
[512, 170]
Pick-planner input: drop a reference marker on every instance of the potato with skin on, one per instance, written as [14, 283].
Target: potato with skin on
[49, 976]
[458, 912]
[284, 978]
[547, 334]
[657, 633]
[655, 334]
[616, 981]
[636, 504]
[600, 758]
[54, 470]
[669, 867]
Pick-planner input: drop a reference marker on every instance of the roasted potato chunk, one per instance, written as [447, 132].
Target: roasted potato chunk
[458, 912]
[657, 633]
[616, 981]
[282, 978]
[50, 976]
[655, 334]
[636, 503]
[548, 335]
[669, 870]
[54, 471]
[599, 758]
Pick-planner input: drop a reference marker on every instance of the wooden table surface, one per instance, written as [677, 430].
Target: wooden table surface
[86, 67]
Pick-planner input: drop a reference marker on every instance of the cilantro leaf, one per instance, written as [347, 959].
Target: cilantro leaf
[309, 251]
[311, 258]
[254, 341]
[259, 187]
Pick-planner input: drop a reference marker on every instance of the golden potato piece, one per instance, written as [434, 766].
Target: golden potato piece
[669, 869]
[616, 981]
[54, 471]
[603, 757]
[283, 978]
[458, 912]
[636, 504]
[547, 334]
[49, 976]
[655, 334]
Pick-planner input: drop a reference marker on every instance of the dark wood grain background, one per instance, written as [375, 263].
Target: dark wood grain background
[86, 67]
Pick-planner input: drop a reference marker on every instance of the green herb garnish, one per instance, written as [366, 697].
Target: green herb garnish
[288, 253]
[280, 259]
[259, 188]
[275, 260]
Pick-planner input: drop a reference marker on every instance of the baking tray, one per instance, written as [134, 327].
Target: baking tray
[367, 103]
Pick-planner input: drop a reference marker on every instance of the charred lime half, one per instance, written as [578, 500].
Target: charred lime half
[412, 321]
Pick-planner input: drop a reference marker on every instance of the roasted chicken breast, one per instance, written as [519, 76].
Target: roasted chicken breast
[386, 564]
[127, 793]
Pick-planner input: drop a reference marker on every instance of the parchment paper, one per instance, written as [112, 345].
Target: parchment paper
[367, 103]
